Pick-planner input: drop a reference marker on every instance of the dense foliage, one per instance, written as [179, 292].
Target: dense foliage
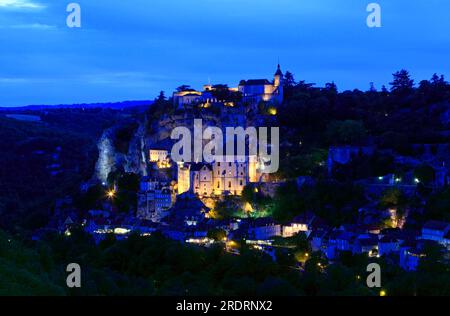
[158, 266]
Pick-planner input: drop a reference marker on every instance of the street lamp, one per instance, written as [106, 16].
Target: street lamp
[111, 194]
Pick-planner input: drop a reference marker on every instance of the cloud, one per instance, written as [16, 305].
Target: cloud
[20, 4]
[129, 79]
[6, 80]
[37, 26]
[33, 26]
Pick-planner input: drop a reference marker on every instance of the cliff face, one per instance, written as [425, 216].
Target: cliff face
[106, 156]
[111, 160]
[151, 135]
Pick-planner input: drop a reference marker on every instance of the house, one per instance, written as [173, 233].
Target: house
[435, 230]
[338, 241]
[174, 233]
[145, 227]
[318, 239]
[188, 97]
[387, 245]
[148, 184]
[410, 258]
[263, 229]
[155, 203]
[188, 210]
[256, 90]
[301, 223]
[366, 245]
[410, 255]
[160, 157]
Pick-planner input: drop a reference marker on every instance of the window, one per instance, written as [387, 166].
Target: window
[229, 184]
[218, 164]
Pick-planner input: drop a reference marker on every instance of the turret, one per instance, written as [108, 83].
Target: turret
[278, 78]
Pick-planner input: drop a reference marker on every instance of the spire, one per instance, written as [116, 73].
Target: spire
[279, 72]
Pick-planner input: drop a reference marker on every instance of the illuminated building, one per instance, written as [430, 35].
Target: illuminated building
[253, 91]
[160, 157]
[257, 90]
[154, 204]
[184, 181]
[217, 178]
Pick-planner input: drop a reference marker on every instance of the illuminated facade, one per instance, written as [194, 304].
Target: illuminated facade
[160, 157]
[184, 182]
[253, 91]
[218, 178]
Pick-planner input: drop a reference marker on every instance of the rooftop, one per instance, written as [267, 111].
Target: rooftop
[436, 225]
[254, 82]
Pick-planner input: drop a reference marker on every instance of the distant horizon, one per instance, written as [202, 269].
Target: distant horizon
[132, 51]
[78, 104]
[169, 94]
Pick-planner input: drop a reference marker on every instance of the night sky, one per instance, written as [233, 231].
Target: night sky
[130, 50]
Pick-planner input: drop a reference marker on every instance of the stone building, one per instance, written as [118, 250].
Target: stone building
[253, 91]
[217, 178]
[154, 200]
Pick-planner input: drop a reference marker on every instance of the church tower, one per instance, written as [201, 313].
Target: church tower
[278, 78]
[278, 85]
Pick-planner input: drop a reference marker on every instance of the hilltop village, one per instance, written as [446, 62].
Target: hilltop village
[360, 195]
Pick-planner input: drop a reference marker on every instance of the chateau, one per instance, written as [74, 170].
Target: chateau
[250, 91]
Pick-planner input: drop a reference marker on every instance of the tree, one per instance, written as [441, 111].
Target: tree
[438, 81]
[222, 93]
[184, 88]
[393, 198]
[248, 194]
[289, 84]
[161, 97]
[217, 234]
[402, 83]
[438, 206]
[331, 86]
[433, 91]
[346, 132]
[289, 80]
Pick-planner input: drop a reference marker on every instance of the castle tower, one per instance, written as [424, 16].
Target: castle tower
[278, 78]
[278, 85]
[184, 178]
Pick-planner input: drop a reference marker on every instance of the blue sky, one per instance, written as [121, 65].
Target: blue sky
[130, 50]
